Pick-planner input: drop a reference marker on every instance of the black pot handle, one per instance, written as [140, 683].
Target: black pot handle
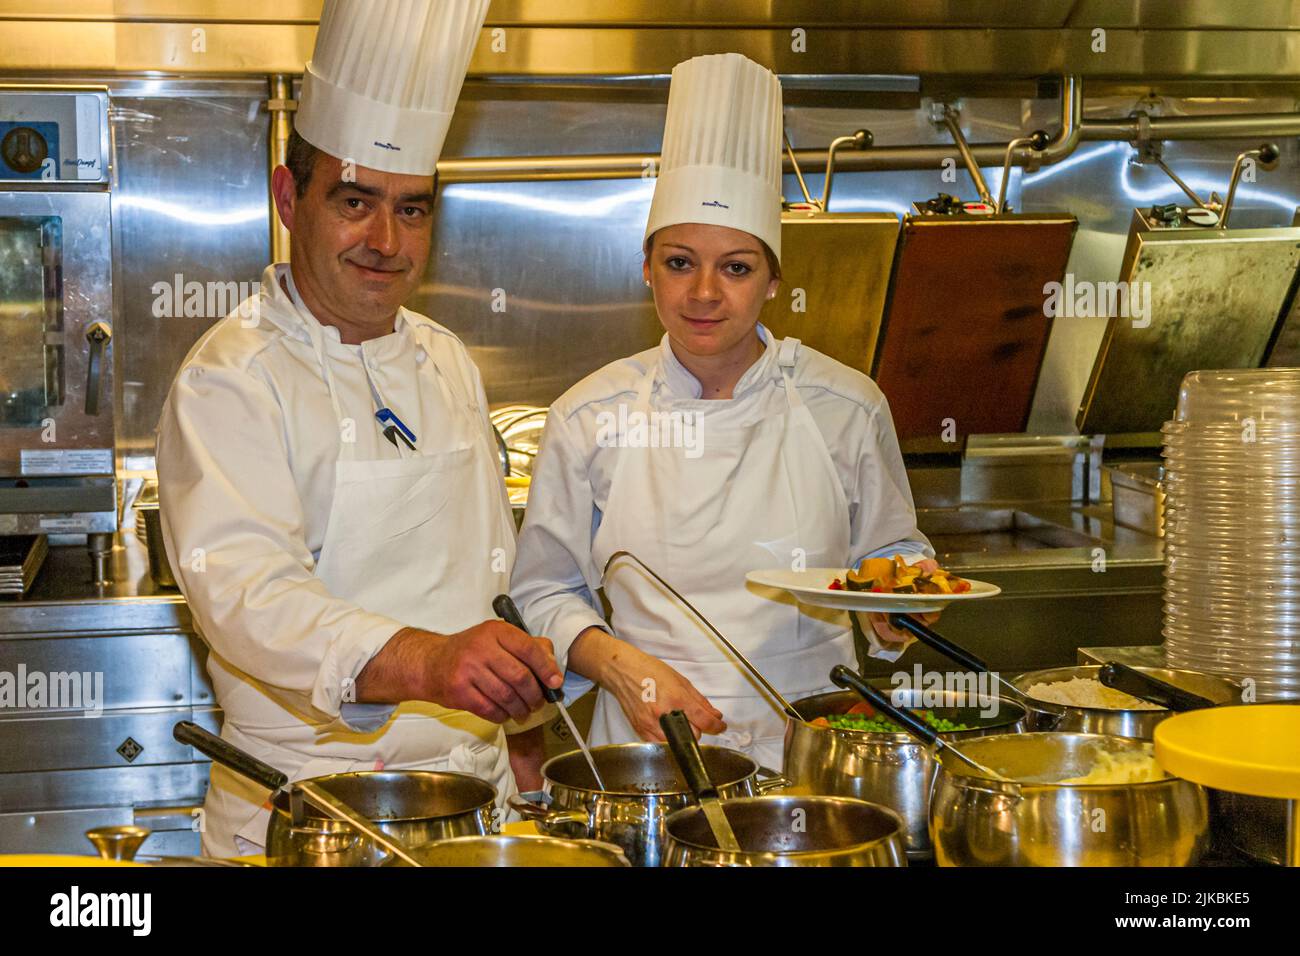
[1121, 677]
[228, 755]
[905, 622]
[686, 751]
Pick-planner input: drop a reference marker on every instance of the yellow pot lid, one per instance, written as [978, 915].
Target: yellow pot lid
[1252, 749]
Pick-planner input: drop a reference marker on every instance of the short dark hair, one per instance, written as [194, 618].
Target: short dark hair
[300, 156]
[773, 264]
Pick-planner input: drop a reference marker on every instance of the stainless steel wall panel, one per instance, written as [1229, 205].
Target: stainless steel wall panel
[67, 741]
[158, 785]
[136, 670]
[191, 200]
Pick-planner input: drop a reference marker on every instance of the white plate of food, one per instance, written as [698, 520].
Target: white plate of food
[883, 585]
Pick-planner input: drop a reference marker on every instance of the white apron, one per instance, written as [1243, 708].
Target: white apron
[400, 538]
[763, 495]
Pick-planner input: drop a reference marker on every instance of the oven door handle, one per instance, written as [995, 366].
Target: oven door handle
[98, 335]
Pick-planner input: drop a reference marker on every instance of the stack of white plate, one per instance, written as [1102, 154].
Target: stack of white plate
[1232, 528]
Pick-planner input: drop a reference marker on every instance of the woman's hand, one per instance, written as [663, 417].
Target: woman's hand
[891, 635]
[644, 686]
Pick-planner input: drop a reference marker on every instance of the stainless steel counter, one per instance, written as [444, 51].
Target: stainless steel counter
[100, 751]
[64, 597]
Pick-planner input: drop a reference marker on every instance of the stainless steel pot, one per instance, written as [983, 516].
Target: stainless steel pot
[1044, 715]
[643, 786]
[976, 821]
[517, 851]
[415, 806]
[894, 770]
[791, 831]
[412, 806]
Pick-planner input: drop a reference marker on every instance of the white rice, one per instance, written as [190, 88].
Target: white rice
[1086, 692]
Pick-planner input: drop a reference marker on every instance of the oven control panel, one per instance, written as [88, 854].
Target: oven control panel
[54, 136]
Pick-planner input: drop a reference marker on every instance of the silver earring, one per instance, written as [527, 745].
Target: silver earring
[647, 283]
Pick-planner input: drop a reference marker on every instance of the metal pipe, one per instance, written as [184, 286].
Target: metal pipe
[1074, 130]
[1012, 146]
[798, 173]
[632, 165]
[1222, 126]
[1181, 185]
[951, 120]
[1267, 157]
[859, 140]
[280, 106]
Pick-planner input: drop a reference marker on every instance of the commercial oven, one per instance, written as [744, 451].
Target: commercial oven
[56, 316]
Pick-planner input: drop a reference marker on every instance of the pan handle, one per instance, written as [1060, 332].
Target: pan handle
[686, 751]
[770, 780]
[849, 679]
[546, 818]
[905, 622]
[506, 609]
[228, 755]
[1121, 677]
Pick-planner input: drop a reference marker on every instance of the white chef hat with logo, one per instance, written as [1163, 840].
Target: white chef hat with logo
[384, 78]
[721, 158]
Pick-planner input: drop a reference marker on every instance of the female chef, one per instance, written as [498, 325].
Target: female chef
[722, 451]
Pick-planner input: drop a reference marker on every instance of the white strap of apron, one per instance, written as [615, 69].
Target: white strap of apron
[785, 359]
[316, 332]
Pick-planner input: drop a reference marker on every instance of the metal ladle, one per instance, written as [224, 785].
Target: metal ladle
[758, 675]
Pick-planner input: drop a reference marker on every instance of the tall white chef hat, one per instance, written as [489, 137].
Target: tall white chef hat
[384, 78]
[721, 158]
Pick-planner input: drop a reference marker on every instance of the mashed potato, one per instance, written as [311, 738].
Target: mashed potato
[1136, 766]
[1086, 692]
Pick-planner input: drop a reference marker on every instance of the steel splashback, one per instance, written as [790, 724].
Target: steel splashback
[965, 329]
[835, 273]
[1000, 38]
[1215, 299]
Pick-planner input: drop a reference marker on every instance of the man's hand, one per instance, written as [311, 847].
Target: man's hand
[491, 670]
[880, 622]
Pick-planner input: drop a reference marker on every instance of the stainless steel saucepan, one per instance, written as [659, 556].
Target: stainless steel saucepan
[642, 786]
[1031, 816]
[412, 807]
[894, 770]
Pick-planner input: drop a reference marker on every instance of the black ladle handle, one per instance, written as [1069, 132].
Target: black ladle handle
[1121, 677]
[228, 755]
[686, 751]
[850, 679]
[506, 610]
[905, 622]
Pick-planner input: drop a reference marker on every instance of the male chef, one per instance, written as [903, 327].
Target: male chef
[332, 500]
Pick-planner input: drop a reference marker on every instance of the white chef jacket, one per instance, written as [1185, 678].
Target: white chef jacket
[555, 579]
[247, 448]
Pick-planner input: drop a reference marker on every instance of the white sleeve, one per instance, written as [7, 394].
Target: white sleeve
[234, 532]
[882, 515]
[554, 581]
